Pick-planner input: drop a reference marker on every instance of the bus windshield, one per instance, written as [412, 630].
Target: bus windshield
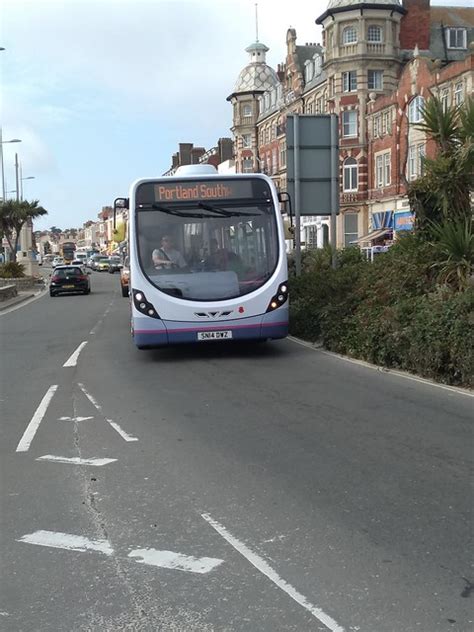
[207, 250]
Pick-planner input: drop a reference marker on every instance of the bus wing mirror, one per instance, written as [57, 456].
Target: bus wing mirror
[285, 208]
[120, 203]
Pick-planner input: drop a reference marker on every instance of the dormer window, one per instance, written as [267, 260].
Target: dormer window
[349, 35]
[309, 70]
[374, 33]
[317, 64]
[456, 38]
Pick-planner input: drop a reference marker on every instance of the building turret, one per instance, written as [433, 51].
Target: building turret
[256, 78]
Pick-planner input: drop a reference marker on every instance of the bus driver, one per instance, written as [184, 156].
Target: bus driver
[167, 256]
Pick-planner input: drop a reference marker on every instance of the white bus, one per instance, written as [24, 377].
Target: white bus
[207, 258]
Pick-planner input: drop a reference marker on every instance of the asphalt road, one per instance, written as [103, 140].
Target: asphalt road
[257, 488]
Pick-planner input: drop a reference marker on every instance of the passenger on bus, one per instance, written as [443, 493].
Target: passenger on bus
[167, 256]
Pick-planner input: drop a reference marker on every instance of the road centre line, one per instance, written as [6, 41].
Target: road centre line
[76, 460]
[263, 566]
[72, 361]
[58, 540]
[114, 425]
[381, 369]
[33, 426]
[175, 561]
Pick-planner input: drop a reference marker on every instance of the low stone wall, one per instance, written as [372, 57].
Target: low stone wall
[26, 283]
[7, 291]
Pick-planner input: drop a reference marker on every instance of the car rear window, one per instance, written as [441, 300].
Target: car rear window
[63, 272]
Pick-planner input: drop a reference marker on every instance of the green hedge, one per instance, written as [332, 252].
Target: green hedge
[390, 312]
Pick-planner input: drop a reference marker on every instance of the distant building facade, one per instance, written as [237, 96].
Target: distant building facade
[377, 61]
[190, 155]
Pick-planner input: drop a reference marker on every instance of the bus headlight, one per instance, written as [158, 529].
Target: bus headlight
[280, 297]
[144, 306]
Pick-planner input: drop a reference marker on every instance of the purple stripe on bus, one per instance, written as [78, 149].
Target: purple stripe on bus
[223, 326]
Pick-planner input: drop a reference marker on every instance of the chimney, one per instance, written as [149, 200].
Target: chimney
[415, 25]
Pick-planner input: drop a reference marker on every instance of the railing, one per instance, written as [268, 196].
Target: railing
[375, 49]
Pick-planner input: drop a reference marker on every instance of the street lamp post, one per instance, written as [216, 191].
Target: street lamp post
[3, 142]
[21, 184]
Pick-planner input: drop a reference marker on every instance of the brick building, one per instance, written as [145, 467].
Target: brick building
[378, 59]
[190, 155]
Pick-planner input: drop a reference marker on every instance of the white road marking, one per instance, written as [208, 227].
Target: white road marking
[96, 326]
[381, 369]
[4, 614]
[33, 426]
[74, 418]
[72, 361]
[75, 460]
[121, 432]
[114, 424]
[176, 561]
[263, 566]
[58, 540]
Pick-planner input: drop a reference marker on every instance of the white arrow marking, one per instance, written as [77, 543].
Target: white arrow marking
[75, 460]
[114, 424]
[175, 561]
[58, 540]
[265, 568]
[72, 360]
[33, 426]
[74, 418]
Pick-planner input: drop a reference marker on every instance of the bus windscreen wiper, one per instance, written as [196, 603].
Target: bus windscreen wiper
[223, 211]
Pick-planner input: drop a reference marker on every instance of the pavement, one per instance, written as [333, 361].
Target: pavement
[21, 297]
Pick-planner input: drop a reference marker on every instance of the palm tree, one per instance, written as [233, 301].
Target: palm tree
[14, 214]
[444, 191]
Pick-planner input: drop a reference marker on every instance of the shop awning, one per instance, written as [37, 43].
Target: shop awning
[376, 234]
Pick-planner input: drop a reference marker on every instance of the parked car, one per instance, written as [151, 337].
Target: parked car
[115, 264]
[58, 261]
[69, 279]
[102, 264]
[125, 277]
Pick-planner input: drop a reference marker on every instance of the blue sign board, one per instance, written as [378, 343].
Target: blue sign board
[403, 220]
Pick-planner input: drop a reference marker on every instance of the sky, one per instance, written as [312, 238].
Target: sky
[101, 92]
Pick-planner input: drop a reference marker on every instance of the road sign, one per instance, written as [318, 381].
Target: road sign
[318, 173]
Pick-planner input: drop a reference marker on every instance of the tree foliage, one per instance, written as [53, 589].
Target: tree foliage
[443, 193]
[14, 214]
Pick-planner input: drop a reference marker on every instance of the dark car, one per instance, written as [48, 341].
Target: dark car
[69, 279]
[115, 264]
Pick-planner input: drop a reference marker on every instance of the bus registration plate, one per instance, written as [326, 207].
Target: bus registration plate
[214, 335]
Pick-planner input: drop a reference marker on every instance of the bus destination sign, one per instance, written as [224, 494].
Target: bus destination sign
[205, 190]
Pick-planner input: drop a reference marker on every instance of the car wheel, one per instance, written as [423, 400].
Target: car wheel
[52, 294]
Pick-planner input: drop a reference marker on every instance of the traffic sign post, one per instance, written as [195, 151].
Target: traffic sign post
[312, 143]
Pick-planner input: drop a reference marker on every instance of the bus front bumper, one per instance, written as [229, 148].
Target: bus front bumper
[272, 325]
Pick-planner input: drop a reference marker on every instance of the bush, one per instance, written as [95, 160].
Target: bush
[12, 270]
[390, 312]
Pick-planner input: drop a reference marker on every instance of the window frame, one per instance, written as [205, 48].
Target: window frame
[349, 167]
[376, 72]
[456, 30]
[346, 124]
[414, 109]
[458, 94]
[246, 108]
[349, 81]
[379, 31]
[246, 141]
[350, 214]
[345, 31]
